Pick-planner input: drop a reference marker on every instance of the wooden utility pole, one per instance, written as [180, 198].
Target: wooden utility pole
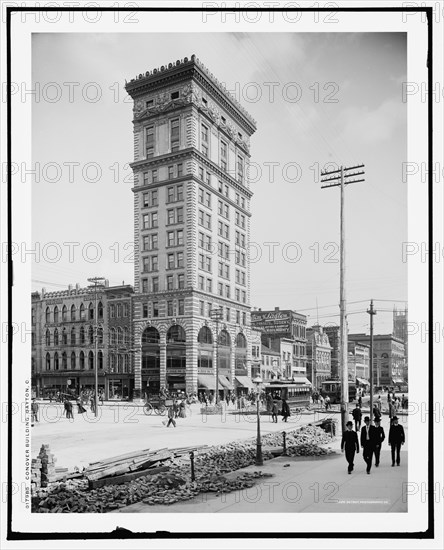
[340, 179]
[371, 312]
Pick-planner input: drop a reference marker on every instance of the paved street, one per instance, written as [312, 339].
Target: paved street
[122, 428]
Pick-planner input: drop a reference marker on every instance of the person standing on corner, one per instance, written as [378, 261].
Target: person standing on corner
[368, 442]
[350, 444]
[396, 439]
[357, 417]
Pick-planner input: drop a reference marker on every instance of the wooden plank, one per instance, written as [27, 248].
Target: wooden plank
[119, 457]
[115, 470]
[116, 480]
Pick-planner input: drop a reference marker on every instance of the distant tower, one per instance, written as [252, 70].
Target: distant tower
[191, 229]
[400, 320]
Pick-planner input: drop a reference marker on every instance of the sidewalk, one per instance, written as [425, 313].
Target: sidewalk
[309, 484]
[299, 484]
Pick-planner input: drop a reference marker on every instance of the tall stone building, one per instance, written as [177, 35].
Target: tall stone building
[319, 356]
[191, 229]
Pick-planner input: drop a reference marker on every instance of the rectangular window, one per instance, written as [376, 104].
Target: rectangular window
[181, 281]
[201, 217]
[209, 285]
[179, 259]
[228, 315]
[237, 198]
[181, 306]
[144, 285]
[220, 289]
[149, 138]
[208, 178]
[179, 237]
[238, 317]
[208, 220]
[208, 199]
[202, 307]
[171, 241]
[155, 309]
[179, 170]
[171, 261]
[201, 173]
[201, 282]
[154, 175]
[179, 192]
[219, 208]
[237, 295]
[240, 169]
[223, 155]
[170, 308]
[145, 311]
[244, 296]
[170, 194]
[244, 318]
[170, 282]
[209, 309]
[179, 214]
[174, 95]
[220, 186]
[170, 172]
[155, 284]
[175, 135]
[227, 291]
[226, 211]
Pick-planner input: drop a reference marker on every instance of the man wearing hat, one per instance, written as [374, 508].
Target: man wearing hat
[379, 438]
[396, 439]
[368, 442]
[351, 445]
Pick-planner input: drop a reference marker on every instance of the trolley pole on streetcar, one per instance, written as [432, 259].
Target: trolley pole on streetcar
[339, 179]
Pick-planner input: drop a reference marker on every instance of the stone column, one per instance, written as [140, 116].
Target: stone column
[163, 359]
[191, 358]
[137, 392]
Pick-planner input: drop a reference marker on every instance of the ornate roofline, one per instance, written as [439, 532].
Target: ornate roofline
[191, 69]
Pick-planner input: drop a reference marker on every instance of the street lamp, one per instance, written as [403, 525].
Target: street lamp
[217, 315]
[98, 283]
[259, 459]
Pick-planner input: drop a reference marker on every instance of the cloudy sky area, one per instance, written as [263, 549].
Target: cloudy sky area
[330, 98]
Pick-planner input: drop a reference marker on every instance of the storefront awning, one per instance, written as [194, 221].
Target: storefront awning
[244, 381]
[363, 381]
[206, 381]
[223, 380]
[301, 380]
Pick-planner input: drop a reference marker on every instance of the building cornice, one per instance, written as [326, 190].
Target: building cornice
[188, 69]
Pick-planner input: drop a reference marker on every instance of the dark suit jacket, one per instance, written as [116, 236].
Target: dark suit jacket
[396, 434]
[379, 435]
[350, 441]
[372, 436]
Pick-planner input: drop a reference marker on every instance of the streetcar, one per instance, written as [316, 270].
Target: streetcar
[332, 388]
[296, 395]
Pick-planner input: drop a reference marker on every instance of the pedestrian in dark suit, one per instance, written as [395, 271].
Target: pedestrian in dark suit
[379, 438]
[171, 416]
[357, 416]
[368, 442]
[350, 444]
[377, 413]
[396, 439]
[285, 410]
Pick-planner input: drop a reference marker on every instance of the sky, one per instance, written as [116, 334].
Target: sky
[317, 98]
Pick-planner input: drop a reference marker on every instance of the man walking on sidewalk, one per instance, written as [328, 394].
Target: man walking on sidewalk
[368, 442]
[357, 417]
[350, 444]
[379, 438]
[171, 415]
[396, 439]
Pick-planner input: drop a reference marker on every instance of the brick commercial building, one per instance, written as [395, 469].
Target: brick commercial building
[319, 356]
[191, 230]
[388, 358]
[64, 333]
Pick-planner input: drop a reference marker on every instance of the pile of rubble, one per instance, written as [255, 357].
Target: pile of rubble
[174, 482]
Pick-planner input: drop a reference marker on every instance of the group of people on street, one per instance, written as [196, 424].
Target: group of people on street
[371, 439]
